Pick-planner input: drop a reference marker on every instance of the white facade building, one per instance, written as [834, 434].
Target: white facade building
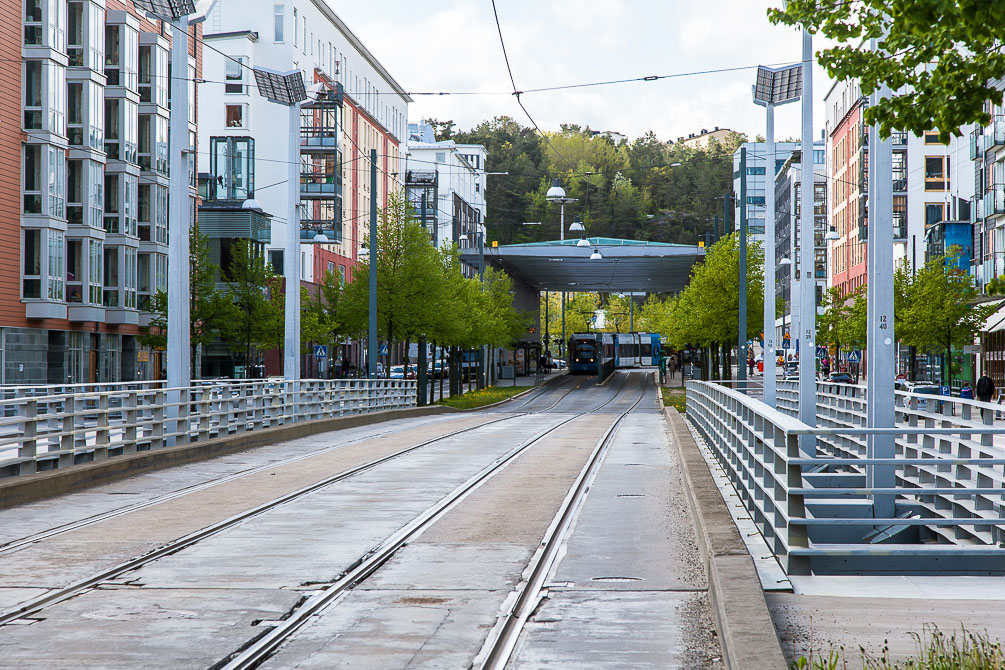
[304, 35]
[452, 178]
[756, 181]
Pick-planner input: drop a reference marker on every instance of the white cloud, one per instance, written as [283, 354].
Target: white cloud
[452, 45]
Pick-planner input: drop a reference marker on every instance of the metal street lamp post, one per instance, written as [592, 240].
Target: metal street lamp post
[775, 86]
[557, 194]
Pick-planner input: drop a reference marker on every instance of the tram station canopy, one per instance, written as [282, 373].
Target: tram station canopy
[626, 265]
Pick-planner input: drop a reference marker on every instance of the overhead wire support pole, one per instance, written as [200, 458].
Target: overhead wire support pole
[880, 412]
[179, 373]
[807, 261]
[741, 330]
[372, 334]
[291, 347]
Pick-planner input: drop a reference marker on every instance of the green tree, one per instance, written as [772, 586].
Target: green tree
[208, 306]
[255, 316]
[321, 318]
[408, 279]
[940, 313]
[940, 57]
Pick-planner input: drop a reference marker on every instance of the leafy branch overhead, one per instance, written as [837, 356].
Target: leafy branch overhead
[940, 58]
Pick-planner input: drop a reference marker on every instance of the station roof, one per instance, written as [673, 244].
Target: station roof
[626, 266]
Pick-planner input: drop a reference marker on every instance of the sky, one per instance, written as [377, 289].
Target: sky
[452, 45]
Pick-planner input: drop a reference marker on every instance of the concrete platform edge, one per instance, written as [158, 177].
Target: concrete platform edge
[31, 488]
[546, 382]
[746, 631]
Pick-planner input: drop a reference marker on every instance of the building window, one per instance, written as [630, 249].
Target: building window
[32, 95]
[899, 171]
[934, 213]
[32, 197]
[819, 156]
[296, 28]
[280, 16]
[935, 173]
[31, 271]
[111, 279]
[129, 278]
[111, 207]
[234, 75]
[96, 198]
[94, 272]
[75, 22]
[33, 22]
[75, 192]
[441, 157]
[57, 183]
[235, 116]
[755, 170]
[231, 168]
[143, 282]
[55, 265]
[932, 138]
[74, 271]
[276, 260]
[900, 217]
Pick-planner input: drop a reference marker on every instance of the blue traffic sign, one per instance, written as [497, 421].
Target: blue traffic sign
[320, 351]
[383, 350]
[821, 352]
[855, 357]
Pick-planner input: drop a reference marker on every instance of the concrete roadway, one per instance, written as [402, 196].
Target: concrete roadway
[629, 592]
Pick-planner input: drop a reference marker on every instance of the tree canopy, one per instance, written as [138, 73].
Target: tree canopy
[940, 57]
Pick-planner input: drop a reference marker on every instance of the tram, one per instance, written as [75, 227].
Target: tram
[634, 350]
[589, 351]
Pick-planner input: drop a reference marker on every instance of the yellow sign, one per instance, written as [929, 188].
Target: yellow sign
[142, 356]
[495, 243]
[701, 243]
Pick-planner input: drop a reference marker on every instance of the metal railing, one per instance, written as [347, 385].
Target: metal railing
[809, 489]
[69, 426]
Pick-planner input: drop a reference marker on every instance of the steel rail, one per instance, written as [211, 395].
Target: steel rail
[497, 652]
[111, 514]
[263, 647]
[58, 595]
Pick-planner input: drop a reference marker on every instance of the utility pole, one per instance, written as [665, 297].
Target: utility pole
[807, 283]
[741, 339]
[420, 377]
[372, 338]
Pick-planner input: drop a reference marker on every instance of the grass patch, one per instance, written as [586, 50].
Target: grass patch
[936, 651]
[674, 397]
[487, 396]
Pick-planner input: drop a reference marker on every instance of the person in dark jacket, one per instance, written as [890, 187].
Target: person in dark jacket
[985, 390]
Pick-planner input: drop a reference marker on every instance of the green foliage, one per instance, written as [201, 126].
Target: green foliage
[936, 651]
[676, 398]
[706, 312]
[938, 311]
[630, 190]
[321, 313]
[941, 58]
[579, 311]
[254, 317]
[483, 397]
[208, 307]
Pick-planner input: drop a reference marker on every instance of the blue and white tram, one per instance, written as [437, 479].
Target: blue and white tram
[626, 350]
[589, 352]
[646, 357]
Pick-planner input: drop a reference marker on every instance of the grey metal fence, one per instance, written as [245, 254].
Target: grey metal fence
[814, 505]
[69, 425]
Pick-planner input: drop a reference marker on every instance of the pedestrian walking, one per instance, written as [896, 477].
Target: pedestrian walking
[985, 390]
[967, 392]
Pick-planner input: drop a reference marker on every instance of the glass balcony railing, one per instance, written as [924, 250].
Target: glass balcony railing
[994, 200]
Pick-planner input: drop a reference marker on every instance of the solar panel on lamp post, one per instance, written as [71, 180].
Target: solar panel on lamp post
[775, 86]
[179, 364]
[287, 88]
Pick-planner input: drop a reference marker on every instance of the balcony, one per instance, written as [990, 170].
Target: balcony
[994, 201]
[898, 139]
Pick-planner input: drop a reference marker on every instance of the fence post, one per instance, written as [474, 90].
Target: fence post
[101, 434]
[129, 426]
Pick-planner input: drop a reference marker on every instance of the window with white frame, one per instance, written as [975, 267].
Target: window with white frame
[32, 184]
[33, 19]
[111, 278]
[160, 272]
[76, 23]
[234, 75]
[75, 191]
[56, 102]
[160, 214]
[113, 128]
[57, 183]
[235, 115]
[112, 200]
[95, 36]
[129, 193]
[279, 12]
[54, 282]
[143, 282]
[75, 112]
[74, 271]
[96, 116]
[32, 100]
[95, 272]
[130, 115]
[31, 267]
[129, 278]
[95, 198]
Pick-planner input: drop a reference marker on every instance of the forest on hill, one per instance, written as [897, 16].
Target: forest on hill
[644, 189]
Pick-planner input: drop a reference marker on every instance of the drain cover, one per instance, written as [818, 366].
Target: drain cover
[617, 579]
[631, 495]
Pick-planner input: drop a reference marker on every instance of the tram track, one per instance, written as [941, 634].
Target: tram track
[260, 649]
[28, 609]
[35, 538]
[499, 646]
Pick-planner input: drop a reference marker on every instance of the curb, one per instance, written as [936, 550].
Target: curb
[746, 631]
[506, 400]
[39, 486]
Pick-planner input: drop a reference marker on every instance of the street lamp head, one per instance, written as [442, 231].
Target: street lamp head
[285, 88]
[832, 235]
[674, 164]
[363, 253]
[251, 203]
[583, 242]
[777, 86]
[576, 226]
[320, 238]
[596, 255]
[785, 261]
[556, 192]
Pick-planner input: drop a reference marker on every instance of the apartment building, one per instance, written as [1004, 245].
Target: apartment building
[754, 183]
[788, 222]
[450, 179]
[366, 109]
[87, 134]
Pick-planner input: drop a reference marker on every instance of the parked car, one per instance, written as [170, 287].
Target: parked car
[560, 364]
[841, 378]
[399, 372]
